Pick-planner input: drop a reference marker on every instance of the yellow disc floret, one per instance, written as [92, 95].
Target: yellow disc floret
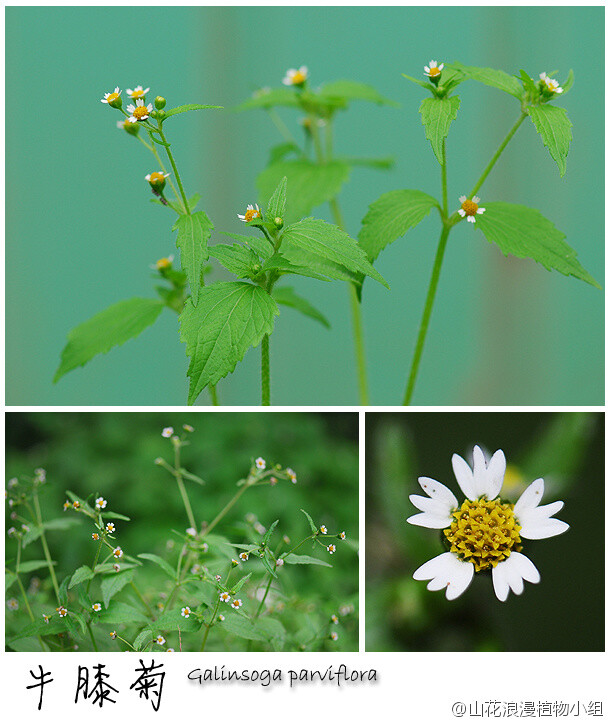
[252, 214]
[484, 532]
[156, 178]
[164, 263]
[298, 78]
[434, 71]
[140, 112]
[469, 206]
[112, 97]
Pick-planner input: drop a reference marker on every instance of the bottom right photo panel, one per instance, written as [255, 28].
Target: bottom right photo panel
[485, 531]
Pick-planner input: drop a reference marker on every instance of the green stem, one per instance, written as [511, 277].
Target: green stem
[208, 626]
[93, 642]
[444, 183]
[226, 509]
[496, 156]
[423, 328]
[281, 126]
[182, 488]
[155, 153]
[265, 372]
[141, 598]
[95, 560]
[45, 546]
[213, 395]
[262, 602]
[175, 169]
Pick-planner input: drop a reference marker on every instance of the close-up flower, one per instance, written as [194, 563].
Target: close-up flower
[110, 528]
[260, 464]
[46, 618]
[113, 634]
[550, 84]
[279, 562]
[295, 77]
[334, 636]
[323, 529]
[95, 536]
[186, 612]
[291, 475]
[334, 619]
[112, 97]
[485, 532]
[100, 503]
[67, 505]
[139, 112]
[12, 604]
[225, 597]
[137, 92]
[156, 179]
[167, 432]
[117, 553]
[432, 71]
[62, 611]
[331, 548]
[160, 639]
[236, 603]
[97, 607]
[244, 556]
[470, 208]
[252, 212]
[342, 535]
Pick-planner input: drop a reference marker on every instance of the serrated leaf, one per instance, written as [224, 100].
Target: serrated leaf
[63, 591]
[303, 559]
[355, 91]
[528, 84]
[314, 528]
[525, 233]
[491, 77]
[32, 535]
[555, 129]
[330, 242]
[281, 264]
[143, 640]
[27, 566]
[241, 627]
[260, 245]
[57, 625]
[231, 317]
[112, 585]
[288, 297]
[82, 574]
[436, 116]
[188, 107]
[193, 233]
[107, 329]
[172, 620]
[273, 628]
[268, 98]
[240, 583]
[79, 620]
[169, 570]
[391, 216]
[309, 184]
[120, 613]
[236, 258]
[276, 206]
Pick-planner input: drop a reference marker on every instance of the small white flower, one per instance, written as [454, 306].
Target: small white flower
[112, 96]
[137, 92]
[113, 635]
[279, 562]
[160, 640]
[116, 567]
[484, 532]
[331, 548]
[191, 531]
[225, 597]
[236, 603]
[170, 649]
[204, 547]
[62, 611]
[12, 604]
[334, 619]
[67, 505]
[110, 528]
[434, 69]
[117, 553]
[12, 531]
[13, 482]
[156, 179]
[188, 428]
[323, 529]
[97, 607]
[244, 556]
[167, 432]
[342, 535]
[252, 212]
[100, 503]
[217, 577]
[260, 464]
[186, 612]
[221, 617]
[470, 208]
[334, 636]
[291, 475]
[139, 112]
[95, 536]
[295, 77]
[41, 474]
[46, 618]
[551, 84]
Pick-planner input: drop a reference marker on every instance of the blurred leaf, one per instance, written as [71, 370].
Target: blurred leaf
[188, 107]
[26, 566]
[289, 298]
[112, 585]
[270, 531]
[119, 613]
[172, 621]
[60, 524]
[355, 91]
[114, 515]
[314, 528]
[82, 574]
[303, 559]
[241, 627]
[169, 570]
[9, 579]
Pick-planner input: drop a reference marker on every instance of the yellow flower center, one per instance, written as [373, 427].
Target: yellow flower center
[137, 94]
[298, 78]
[484, 532]
[470, 207]
[252, 214]
[156, 178]
[112, 97]
[140, 112]
[164, 263]
[434, 72]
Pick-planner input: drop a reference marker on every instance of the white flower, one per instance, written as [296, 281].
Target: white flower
[188, 428]
[139, 112]
[279, 562]
[483, 532]
[342, 535]
[97, 607]
[116, 567]
[551, 84]
[137, 92]
[191, 531]
[225, 597]
[217, 577]
[291, 475]
[244, 556]
[170, 649]
[167, 432]
[334, 619]
[236, 603]
[260, 462]
[221, 617]
[46, 618]
[334, 636]
[259, 528]
[12, 604]
[252, 212]
[470, 208]
[62, 611]
[323, 529]
[41, 474]
[117, 553]
[100, 503]
[156, 179]
[110, 527]
[160, 639]
[295, 77]
[186, 612]
[432, 71]
[331, 548]
[113, 96]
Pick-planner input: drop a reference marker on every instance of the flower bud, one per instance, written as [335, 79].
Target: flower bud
[131, 128]
[160, 102]
[279, 222]
[156, 180]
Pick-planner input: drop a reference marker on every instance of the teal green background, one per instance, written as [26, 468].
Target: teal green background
[81, 232]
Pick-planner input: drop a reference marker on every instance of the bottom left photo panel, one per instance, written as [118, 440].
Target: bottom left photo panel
[181, 532]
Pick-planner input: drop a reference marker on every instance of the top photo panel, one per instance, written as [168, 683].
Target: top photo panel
[305, 206]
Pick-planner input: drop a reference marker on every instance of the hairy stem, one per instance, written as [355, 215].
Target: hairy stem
[265, 372]
[208, 626]
[141, 598]
[226, 509]
[175, 168]
[93, 642]
[182, 488]
[45, 546]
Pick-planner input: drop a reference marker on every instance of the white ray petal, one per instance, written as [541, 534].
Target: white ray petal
[438, 491]
[542, 528]
[463, 475]
[431, 505]
[495, 474]
[429, 521]
[530, 498]
[446, 570]
[511, 573]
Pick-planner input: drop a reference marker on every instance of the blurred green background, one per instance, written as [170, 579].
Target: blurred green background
[564, 612]
[81, 231]
[114, 453]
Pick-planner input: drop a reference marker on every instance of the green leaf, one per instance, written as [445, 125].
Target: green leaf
[330, 242]
[423, 84]
[391, 216]
[80, 621]
[236, 258]
[27, 566]
[270, 531]
[268, 98]
[57, 625]
[169, 570]
[384, 162]
[491, 77]
[172, 620]
[63, 591]
[273, 628]
[528, 84]
[143, 640]
[524, 232]
[355, 91]
[288, 297]
[280, 151]
[61, 524]
[555, 129]
[107, 329]
[82, 574]
[314, 528]
[268, 564]
[119, 613]
[309, 184]
[193, 233]
[188, 107]
[9, 579]
[569, 82]
[260, 245]
[276, 206]
[437, 115]
[281, 264]
[241, 627]
[302, 559]
[240, 583]
[112, 585]
[115, 515]
[231, 318]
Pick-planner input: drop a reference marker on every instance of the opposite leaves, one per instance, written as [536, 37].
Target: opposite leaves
[555, 129]
[437, 115]
[230, 318]
[107, 329]
[524, 232]
[193, 233]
